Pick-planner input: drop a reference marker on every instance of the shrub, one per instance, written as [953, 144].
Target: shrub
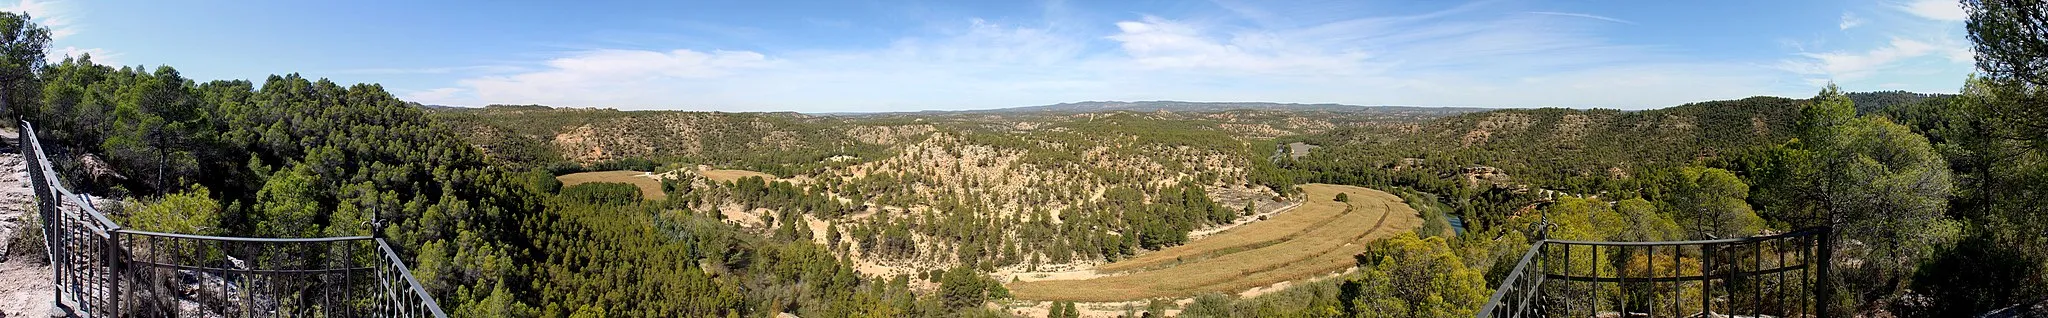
[27, 241]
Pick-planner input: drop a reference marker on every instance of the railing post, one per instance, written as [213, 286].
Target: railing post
[1706, 280]
[1825, 289]
[113, 254]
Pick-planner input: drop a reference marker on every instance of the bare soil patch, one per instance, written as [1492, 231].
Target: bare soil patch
[649, 187]
[728, 175]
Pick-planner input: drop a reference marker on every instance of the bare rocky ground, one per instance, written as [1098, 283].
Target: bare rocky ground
[25, 289]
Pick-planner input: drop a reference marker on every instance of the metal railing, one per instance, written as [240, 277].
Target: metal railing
[102, 269]
[1781, 275]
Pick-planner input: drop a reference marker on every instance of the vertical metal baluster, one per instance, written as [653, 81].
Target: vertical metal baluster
[229, 297]
[1706, 291]
[1779, 293]
[348, 252]
[220, 268]
[1622, 288]
[1598, 299]
[1568, 304]
[1806, 275]
[119, 253]
[320, 282]
[222, 274]
[1650, 269]
[248, 279]
[155, 280]
[1677, 285]
[266, 258]
[1781, 276]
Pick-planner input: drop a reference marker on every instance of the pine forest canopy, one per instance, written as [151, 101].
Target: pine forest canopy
[1938, 198]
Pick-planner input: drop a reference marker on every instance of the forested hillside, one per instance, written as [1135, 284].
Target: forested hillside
[295, 157]
[1935, 201]
[908, 192]
[1489, 164]
[917, 209]
[1946, 189]
[1015, 192]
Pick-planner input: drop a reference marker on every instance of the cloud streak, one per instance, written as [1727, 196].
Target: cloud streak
[54, 15]
[1938, 10]
[1859, 65]
[59, 18]
[1920, 37]
[598, 77]
[1583, 15]
[1158, 43]
[99, 55]
[1464, 56]
[434, 70]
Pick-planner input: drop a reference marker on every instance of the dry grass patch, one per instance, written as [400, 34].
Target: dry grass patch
[723, 175]
[1317, 240]
[649, 188]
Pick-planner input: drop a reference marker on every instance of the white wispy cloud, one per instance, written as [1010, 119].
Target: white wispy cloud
[1920, 40]
[1942, 10]
[1465, 55]
[60, 18]
[55, 15]
[434, 70]
[99, 55]
[1583, 15]
[1154, 42]
[593, 78]
[433, 95]
[982, 42]
[1858, 65]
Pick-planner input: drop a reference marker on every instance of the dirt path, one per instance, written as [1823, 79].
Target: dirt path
[25, 289]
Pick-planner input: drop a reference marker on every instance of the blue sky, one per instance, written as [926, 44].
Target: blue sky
[832, 56]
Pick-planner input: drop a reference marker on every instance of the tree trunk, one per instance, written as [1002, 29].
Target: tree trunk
[7, 105]
[162, 158]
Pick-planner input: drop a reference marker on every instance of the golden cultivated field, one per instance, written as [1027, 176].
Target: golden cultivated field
[649, 188]
[1318, 238]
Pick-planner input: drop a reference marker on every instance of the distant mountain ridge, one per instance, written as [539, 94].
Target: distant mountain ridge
[1865, 102]
[1869, 102]
[1152, 106]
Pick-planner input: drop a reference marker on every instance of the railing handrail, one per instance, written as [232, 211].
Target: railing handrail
[432, 306]
[248, 239]
[1501, 292]
[109, 260]
[1799, 233]
[1514, 296]
[57, 184]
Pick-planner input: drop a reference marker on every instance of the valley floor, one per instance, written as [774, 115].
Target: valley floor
[1316, 239]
